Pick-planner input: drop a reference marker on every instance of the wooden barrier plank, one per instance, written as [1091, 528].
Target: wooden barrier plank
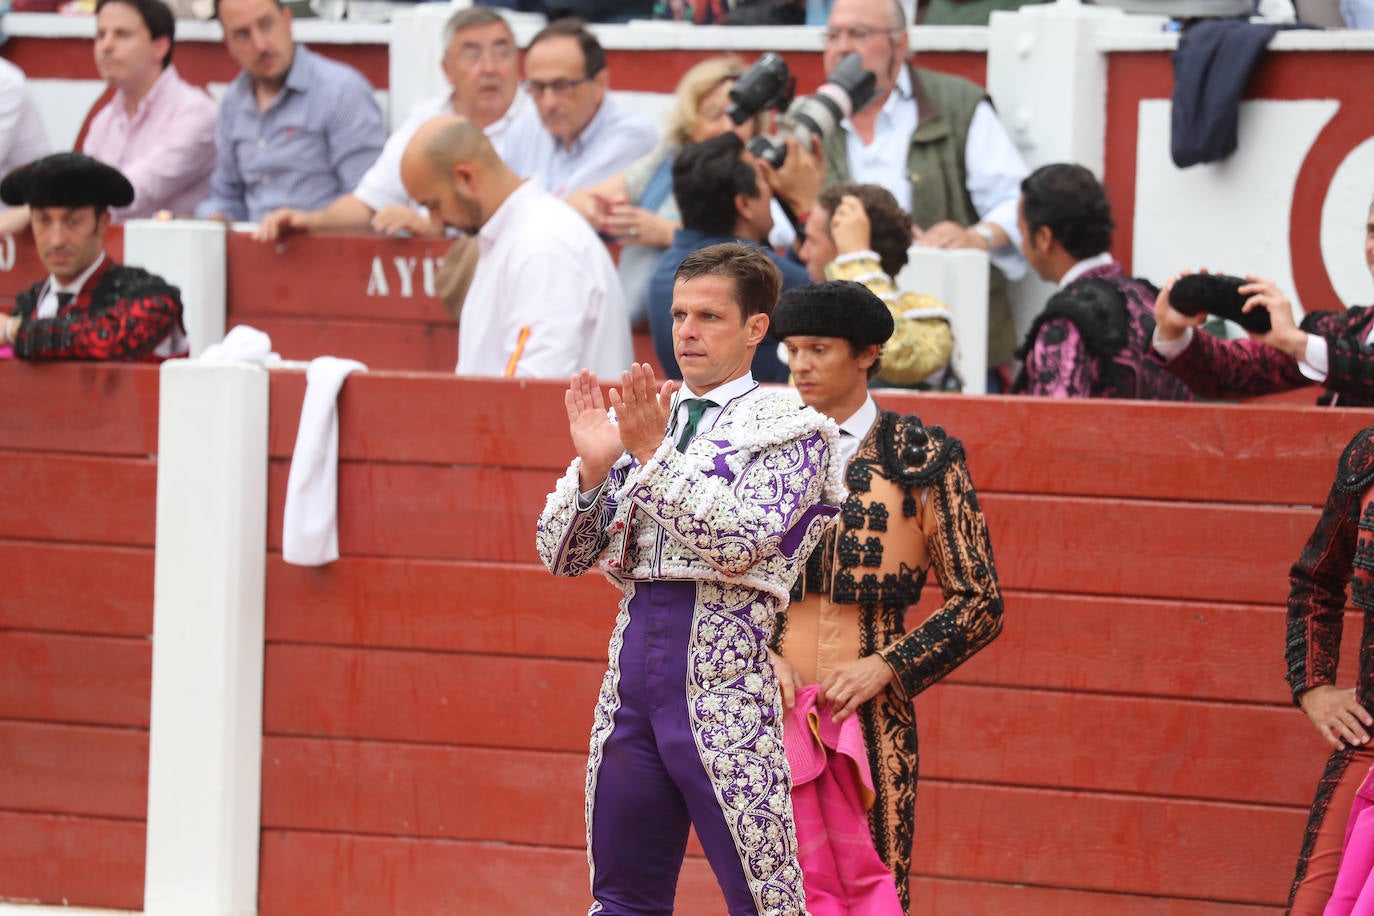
[1214, 552]
[95, 680]
[1229, 853]
[103, 590]
[1120, 448]
[934, 895]
[1047, 739]
[334, 276]
[534, 796]
[381, 345]
[1068, 642]
[1165, 748]
[478, 513]
[1089, 447]
[389, 417]
[99, 408]
[365, 876]
[429, 696]
[71, 861]
[502, 609]
[78, 498]
[1223, 852]
[74, 770]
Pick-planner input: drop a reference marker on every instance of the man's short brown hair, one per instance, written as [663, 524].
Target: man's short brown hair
[757, 279]
[889, 224]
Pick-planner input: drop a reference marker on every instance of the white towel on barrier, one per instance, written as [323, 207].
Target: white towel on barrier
[310, 521]
[243, 344]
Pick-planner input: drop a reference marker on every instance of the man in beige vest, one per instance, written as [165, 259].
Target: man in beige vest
[936, 143]
[911, 511]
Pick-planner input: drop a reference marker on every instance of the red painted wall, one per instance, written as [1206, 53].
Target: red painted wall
[77, 467]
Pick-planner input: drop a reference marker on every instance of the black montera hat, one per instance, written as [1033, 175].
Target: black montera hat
[66, 180]
[836, 308]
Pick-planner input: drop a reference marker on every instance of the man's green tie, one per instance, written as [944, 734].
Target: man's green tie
[695, 408]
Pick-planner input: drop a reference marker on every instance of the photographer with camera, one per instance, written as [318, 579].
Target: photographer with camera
[939, 131]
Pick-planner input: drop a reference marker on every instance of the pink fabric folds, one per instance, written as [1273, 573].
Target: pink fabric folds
[832, 791]
[1353, 894]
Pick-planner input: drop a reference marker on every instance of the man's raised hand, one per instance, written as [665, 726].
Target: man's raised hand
[594, 436]
[641, 410]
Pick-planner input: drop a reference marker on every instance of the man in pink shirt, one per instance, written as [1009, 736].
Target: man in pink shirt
[158, 130]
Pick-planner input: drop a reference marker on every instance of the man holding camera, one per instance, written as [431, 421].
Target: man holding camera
[1334, 349]
[938, 132]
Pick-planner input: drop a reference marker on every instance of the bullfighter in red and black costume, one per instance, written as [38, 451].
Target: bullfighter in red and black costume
[1334, 349]
[88, 307]
[1339, 553]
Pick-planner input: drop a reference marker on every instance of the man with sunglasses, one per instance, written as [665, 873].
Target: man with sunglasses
[937, 133]
[584, 137]
[480, 65]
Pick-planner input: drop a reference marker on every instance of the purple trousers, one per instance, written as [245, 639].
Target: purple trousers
[681, 740]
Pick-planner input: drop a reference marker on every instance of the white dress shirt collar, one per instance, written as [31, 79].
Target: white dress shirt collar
[47, 303]
[855, 427]
[1085, 265]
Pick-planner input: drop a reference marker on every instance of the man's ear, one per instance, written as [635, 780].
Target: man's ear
[868, 356]
[463, 174]
[757, 325]
[1044, 238]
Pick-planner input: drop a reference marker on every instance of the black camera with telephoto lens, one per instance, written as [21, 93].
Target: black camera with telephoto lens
[768, 84]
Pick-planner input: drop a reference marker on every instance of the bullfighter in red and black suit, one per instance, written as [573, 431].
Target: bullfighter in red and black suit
[88, 307]
[1338, 555]
[1328, 348]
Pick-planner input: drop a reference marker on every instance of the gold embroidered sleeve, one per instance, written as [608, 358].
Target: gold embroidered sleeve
[920, 344]
[971, 615]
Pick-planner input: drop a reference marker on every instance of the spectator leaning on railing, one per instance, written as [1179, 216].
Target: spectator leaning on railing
[545, 301]
[481, 66]
[295, 129]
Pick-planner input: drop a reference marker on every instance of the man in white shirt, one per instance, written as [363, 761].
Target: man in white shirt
[480, 66]
[545, 301]
[22, 137]
[938, 131]
[158, 130]
[584, 137]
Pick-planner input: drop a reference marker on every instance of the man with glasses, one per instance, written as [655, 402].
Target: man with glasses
[935, 142]
[584, 136]
[480, 66]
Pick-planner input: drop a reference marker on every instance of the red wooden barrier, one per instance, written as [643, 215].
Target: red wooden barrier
[1128, 746]
[78, 469]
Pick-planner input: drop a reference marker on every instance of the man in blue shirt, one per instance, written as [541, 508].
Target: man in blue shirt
[724, 196]
[583, 137]
[295, 129]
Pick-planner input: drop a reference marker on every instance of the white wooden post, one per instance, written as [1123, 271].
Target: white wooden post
[959, 278]
[205, 743]
[190, 255]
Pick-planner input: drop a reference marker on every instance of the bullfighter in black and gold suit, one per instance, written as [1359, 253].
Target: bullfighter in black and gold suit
[911, 509]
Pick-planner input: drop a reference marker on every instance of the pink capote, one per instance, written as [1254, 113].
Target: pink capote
[1353, 894]
[832, 791]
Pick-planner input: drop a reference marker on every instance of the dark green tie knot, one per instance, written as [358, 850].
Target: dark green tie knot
[695, 408]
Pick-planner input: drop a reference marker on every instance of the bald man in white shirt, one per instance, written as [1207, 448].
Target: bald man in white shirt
[545, 301]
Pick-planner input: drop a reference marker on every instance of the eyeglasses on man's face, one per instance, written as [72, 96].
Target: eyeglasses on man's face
[559, 87]
[857, 34]
[503, 52]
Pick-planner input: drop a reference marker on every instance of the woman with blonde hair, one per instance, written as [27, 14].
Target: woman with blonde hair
[636, 208]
